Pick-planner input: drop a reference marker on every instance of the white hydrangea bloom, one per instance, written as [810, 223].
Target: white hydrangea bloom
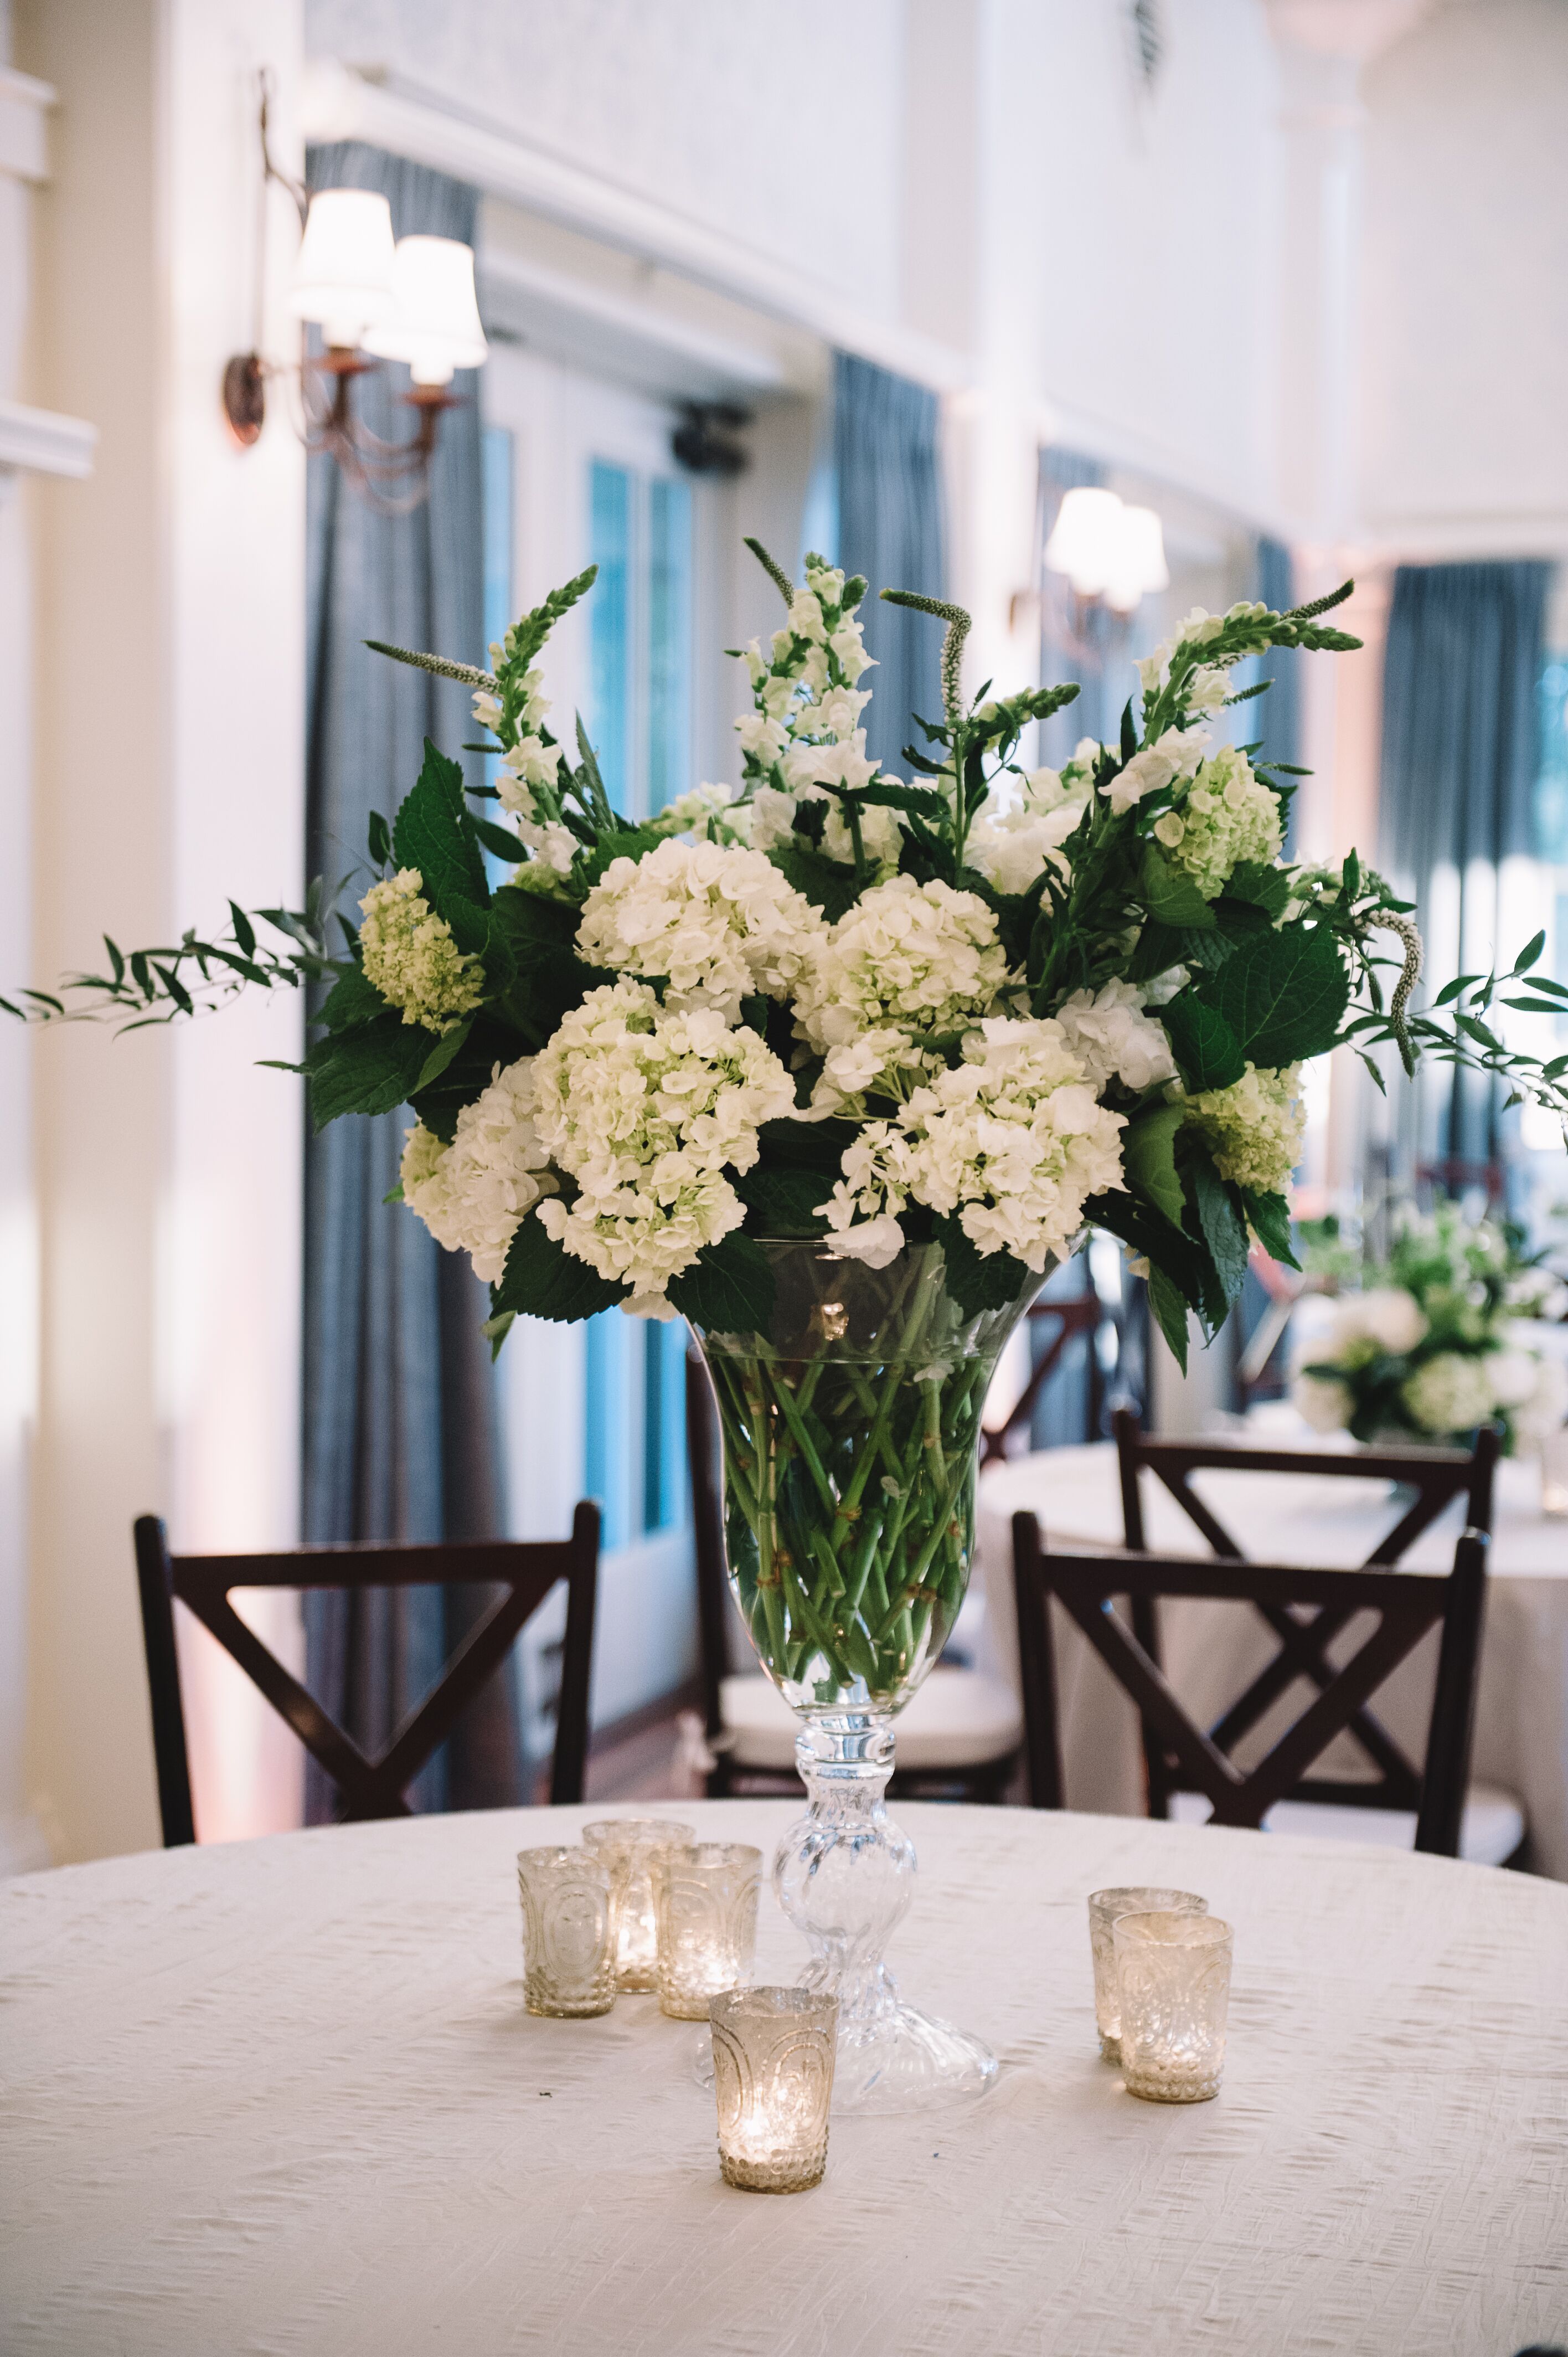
[1450, 1393]
[879, 1058]
[1385, 1318]
[411, 957]
[717, 919]
[1255, 1127]
[1226, 816]
[1011, 844]
[645, 1108]
[1113, 1038]
[907, 953]
[472, 1194]
[1012, 1141]
[1174, 755]
[696, 808]
[1323, 1401]
[1513, 1377]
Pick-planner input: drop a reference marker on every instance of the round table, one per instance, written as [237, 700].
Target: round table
[283, 2097]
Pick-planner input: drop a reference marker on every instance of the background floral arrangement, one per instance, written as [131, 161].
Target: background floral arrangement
[985, 1007]
[1435, 1344]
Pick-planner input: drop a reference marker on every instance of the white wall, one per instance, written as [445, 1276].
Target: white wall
[168, 774]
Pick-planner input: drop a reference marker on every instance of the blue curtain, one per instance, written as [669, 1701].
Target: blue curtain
[1460, 725]
[1278, 720]
[1073, 645]
[399, 1440]
[886, 457]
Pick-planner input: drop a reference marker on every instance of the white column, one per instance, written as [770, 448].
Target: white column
[169, 738]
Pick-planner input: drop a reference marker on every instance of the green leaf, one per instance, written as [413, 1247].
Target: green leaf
[442, 1054]
[542, 1279]
[464, 1074]
[1218, 1209]
[1283, 995]
[1271, 1223]
[1528, 954]
[495, 1329]
[499, 841]
[548, 977]
[1534, 1006]
[815, 1145]
[1148, 1160]
[434, 832]
[244, 933]
[352, 1000]
[380, 840]
[827, 883]
[1170, 1313]
[728, 1289]
[373, 1068]
[626, 843]
[1241, 918]
[1171, 895]
[1206, 1047]
[784, 1202]
[979, 1281]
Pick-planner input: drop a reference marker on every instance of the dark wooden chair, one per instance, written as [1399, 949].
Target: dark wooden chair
[1437, 1476]
[524, 1572]
[1406, 1605]
[961, 1738]
[1085, 1316]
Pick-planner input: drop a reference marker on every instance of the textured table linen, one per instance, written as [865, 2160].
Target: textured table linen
[283, 2097]
[1213, 1650]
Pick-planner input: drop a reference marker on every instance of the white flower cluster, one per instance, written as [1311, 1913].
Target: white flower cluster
[527, 779]
[1010, 843]
[717, 919]
[1254, 1128]
[703, 810]
[1173, 756]
[645, 1108]
[1206, 690]
[920, 956]
[410, 955]
[1450, 1393]
[1113, 1038]
[472, 1194]
[1226, 816]
[1011, 1140]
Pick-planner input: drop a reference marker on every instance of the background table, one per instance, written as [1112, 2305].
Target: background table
[283, 2097]
[1212, 1650]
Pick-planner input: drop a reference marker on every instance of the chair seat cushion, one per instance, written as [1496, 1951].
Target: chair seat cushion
[1492, 1830]
[960, 1718]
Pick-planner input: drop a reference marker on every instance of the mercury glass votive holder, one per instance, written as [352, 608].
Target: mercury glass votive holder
[1104, 1906]
[1173, 1974]
[705, 1900]
[628, 1846]
[568, 1931]
[773, 2081]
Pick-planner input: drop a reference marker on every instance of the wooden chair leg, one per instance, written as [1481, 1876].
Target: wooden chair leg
[154, 1580]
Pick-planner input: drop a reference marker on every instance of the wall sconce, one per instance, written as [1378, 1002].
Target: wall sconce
[1113, 554]
[411, 301]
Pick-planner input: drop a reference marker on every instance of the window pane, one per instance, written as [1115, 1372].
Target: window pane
[609, 625]
[669, 640]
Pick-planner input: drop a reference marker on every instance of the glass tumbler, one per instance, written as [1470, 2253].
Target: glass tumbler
[1173, 1974]
[1104, 1906]
[568, 1931]
[705, 1898]
[628, 1846]
[773, 2080]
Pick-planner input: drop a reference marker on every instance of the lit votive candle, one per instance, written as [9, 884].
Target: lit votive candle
[628, 1846]
[1173, 1974]
[705, 1899]
[1104, 1906]
[773, 2080]
[568, 1931]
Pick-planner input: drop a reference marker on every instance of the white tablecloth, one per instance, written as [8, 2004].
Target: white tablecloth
[1214, 1650]
[283, 2097]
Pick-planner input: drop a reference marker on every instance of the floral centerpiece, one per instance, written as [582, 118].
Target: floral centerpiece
[1436, 1341]
[837, 1065]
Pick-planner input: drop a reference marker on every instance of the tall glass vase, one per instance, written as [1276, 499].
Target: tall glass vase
[851, 1434]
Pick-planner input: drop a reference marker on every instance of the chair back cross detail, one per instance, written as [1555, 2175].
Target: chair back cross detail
[1437, 1476]
[1406, 1605]
[524, 1573]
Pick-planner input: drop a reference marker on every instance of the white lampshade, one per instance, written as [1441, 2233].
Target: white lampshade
[1086, 541]
[435, 324]
[1138, 566]
[343, 279]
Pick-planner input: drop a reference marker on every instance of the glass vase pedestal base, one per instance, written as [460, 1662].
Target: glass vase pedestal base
[845, 1875]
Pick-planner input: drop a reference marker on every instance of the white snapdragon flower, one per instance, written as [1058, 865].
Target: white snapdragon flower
[409, 954]
[1113, 1038]
[762, 738]
[717, 919]
[473, 1194]
[835, 715]
[806, 616]
[1449, 1393]
[1011, 1141]
[847, 643]
[1226, 816]
[1208, 691]
[527, 764]
[907, 953]
[552, 842]
[1254, 1128]
[695, 808]
[645, 1108]
[1174, 755]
